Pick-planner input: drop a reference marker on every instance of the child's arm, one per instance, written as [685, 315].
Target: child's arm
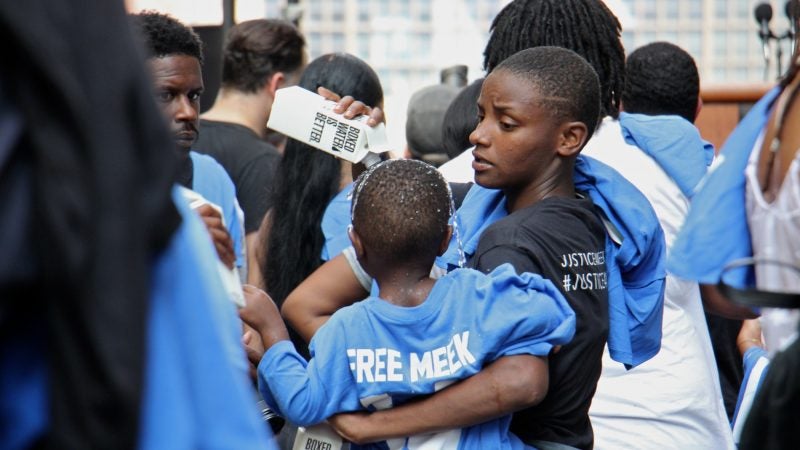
[258, 256]
[509, 384]
[756, 364]
[261, 314]
[306, 393]
[331, 287]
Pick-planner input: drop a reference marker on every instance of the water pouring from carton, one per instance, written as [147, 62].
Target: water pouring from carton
[309, 118]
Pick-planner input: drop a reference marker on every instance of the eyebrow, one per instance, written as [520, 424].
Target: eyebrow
[503, 108]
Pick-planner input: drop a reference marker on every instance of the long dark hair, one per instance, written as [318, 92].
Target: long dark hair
[586, 27]
[460, 119]
[308, 179]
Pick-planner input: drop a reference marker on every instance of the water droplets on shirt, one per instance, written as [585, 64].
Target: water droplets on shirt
[462, 258]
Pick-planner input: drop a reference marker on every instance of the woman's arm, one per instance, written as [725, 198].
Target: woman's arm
[257, 257]
[509, 384]
[332, 286]
[716, 303]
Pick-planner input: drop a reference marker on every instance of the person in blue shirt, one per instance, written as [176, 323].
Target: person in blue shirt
[116, 332]
[310, 207]
[175, 61]
[553, 230]
[740, 236]
[417, 335]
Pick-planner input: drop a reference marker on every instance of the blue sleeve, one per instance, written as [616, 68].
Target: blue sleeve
[635, 261]
[547, 321]
[307, 393]
[213, 183]
[24, 405]
[236, 228]
[756, 365]
[715, 231]
[334, 224]
[480, 208]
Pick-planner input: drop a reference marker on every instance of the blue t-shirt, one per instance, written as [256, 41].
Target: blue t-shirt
[210, 180]
[196, 392]
[335, 221]
[375, 355]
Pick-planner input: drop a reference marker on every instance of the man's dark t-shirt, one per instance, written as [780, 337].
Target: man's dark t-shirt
[563, 240]
[250, 162]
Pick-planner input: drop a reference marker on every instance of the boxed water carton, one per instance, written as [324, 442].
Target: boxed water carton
[309, 118]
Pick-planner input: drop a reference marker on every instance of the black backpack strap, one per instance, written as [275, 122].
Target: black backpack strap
[757, 297]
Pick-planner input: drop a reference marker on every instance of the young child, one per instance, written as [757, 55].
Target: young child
[418, 335]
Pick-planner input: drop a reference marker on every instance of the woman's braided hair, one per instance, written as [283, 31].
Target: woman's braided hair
[586, 27]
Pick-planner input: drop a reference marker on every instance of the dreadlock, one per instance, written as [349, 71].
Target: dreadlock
[586, 27]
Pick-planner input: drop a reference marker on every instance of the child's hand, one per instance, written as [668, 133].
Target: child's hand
[254, 348]
[350, 107]
[261, 313]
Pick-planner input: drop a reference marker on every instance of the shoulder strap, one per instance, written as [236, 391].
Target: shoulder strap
[757, 297]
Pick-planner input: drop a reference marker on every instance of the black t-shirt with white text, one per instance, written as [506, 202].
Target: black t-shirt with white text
[563, 240]
[250, 162]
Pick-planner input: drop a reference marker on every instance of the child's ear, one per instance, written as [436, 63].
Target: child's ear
[572, 138]
[355, 239]
[446, 241]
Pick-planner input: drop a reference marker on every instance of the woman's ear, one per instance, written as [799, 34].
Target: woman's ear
[572, 138]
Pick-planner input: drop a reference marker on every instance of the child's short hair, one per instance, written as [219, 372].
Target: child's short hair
[661, 78]
[567, 84]
[401, 209]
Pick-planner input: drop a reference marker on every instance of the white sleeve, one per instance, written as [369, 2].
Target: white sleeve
[363, 278]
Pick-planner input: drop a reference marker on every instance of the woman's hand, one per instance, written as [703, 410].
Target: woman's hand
[350, 107]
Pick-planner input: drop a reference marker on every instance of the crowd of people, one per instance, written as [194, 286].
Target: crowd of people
[545, 268]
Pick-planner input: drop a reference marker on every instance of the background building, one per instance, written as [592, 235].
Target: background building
[408, 42]
[722, 35]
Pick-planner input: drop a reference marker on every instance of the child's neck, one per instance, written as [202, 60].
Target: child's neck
[405, 286]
